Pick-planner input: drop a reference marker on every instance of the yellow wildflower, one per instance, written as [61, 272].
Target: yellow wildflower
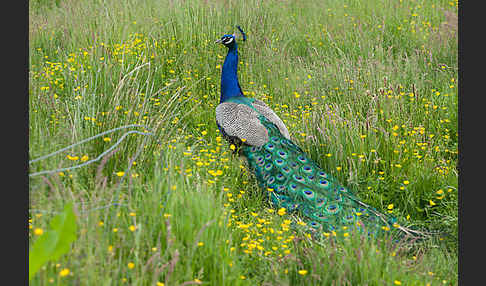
[64, 272]
[72, 158]
[302, 272]
[38, 231]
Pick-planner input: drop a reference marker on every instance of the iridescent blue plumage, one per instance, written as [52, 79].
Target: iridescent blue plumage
[230, 86]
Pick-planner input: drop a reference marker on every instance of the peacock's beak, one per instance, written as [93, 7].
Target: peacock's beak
[218, 41]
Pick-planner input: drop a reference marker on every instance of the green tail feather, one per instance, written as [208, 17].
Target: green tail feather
[299, 184]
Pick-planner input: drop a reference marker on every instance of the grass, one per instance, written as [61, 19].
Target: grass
[367, 88]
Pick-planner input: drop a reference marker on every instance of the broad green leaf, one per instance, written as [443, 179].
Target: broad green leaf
[55, 242]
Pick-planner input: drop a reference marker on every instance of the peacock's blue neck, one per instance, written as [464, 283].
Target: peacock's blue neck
[229, 76]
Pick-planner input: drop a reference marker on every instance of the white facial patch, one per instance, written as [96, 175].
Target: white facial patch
[229, 40]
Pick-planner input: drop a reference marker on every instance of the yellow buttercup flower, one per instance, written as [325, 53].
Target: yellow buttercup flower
[72, 158]
[64, 272]
[38, 231]
[302, 272]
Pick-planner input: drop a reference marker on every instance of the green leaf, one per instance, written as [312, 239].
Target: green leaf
[55, 242]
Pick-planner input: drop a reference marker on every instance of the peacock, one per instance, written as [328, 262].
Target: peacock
[291, 178]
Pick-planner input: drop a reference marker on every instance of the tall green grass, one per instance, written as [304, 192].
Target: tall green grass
[368, 88]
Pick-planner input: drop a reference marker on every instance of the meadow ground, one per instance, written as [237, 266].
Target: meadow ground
[367, 88]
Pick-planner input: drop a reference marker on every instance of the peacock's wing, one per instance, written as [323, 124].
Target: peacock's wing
[238, 119]
[270, 115]
[297, 183]
[240, 122]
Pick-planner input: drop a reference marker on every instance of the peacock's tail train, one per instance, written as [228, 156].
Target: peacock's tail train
[297, 183]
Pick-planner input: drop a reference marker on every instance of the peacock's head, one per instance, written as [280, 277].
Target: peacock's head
[229, 40]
